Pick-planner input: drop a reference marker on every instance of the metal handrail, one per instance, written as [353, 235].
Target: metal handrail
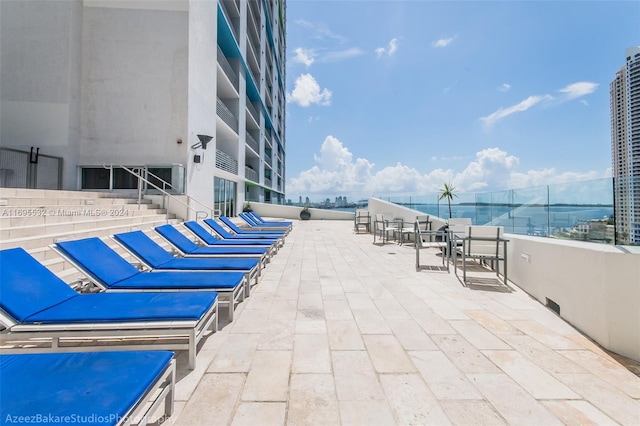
[200, 214]
[165, 184]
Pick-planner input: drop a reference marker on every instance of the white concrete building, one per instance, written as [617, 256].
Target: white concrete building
[625, 147]
[133, 83]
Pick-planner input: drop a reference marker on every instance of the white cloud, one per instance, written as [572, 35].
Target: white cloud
[307, 91]
[524, 105]
[304, 56]
[579, 89]
[337, 173]
[391, 48]
[491, 169]
[572, 91]
[338, 55]
[443, 42]
[320, 31]
[505, 87]
[311, 56]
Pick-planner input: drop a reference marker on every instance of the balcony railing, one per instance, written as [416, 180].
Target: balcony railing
[252, 143]
[232, 22]
[253, 111]
[226, 115]
[226, 162]
[227, 69]
[251, 174]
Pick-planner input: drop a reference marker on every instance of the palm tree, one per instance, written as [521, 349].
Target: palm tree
[447, 191]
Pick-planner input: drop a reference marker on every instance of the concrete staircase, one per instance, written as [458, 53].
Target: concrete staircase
[34, 219]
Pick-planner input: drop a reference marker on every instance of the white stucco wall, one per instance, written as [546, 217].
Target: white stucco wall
[201, 91]
[134, 93]
[95, 82]
[597, 286]
[293, 212]
[40, 77]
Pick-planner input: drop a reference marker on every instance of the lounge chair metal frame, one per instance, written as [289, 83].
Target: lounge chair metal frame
[255, 225]
[245, 238]
[260, 220]
[176, 251]
[211, 238]
[254, 273]
[271, 232]
[164, 388]
[229, 298]
[61, 337]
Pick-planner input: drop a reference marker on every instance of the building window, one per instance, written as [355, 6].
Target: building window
[224, 199]
[100, 178]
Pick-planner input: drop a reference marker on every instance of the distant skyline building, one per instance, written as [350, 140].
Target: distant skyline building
[625, 147]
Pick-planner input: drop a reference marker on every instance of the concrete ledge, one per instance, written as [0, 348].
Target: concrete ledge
[596, 286]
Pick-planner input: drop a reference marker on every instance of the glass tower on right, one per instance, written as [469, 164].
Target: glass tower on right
[625, 148]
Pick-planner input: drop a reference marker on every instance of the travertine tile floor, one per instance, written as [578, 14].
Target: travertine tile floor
[340, 331]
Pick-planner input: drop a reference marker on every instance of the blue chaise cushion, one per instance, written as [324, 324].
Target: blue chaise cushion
[27, 287]
[96, 256]
[90, 388]
[128, 307]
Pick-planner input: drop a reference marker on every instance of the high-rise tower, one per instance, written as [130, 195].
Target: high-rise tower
[625, 147]
[191, 91]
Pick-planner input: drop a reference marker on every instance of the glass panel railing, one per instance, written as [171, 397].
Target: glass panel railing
[581, 211]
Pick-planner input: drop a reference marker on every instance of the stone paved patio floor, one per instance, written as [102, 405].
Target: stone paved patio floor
[340, 331]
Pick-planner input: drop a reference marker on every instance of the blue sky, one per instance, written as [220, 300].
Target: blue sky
[397, 97]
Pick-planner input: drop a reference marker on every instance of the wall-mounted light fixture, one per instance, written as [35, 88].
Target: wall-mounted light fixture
[204, 140]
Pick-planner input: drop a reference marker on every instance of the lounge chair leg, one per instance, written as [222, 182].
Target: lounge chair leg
[192, 350]
[169, 399]
[464, 269]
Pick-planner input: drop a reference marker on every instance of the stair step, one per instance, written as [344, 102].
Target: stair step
[35, 218]
[35, 242]
[17, 232]
[44, 202]
[50, 216]
[55, 193]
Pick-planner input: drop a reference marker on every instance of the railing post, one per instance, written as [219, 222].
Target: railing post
[111, 178]
[139, 192]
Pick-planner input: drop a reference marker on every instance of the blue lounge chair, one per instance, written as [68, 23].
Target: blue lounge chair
[107, 388]
[240, 231]
[153, 256]
[219, 229]
[187, 248]
[209, 239]
[110, 271]
[39, 308]
[255, 225]
[260, 219]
